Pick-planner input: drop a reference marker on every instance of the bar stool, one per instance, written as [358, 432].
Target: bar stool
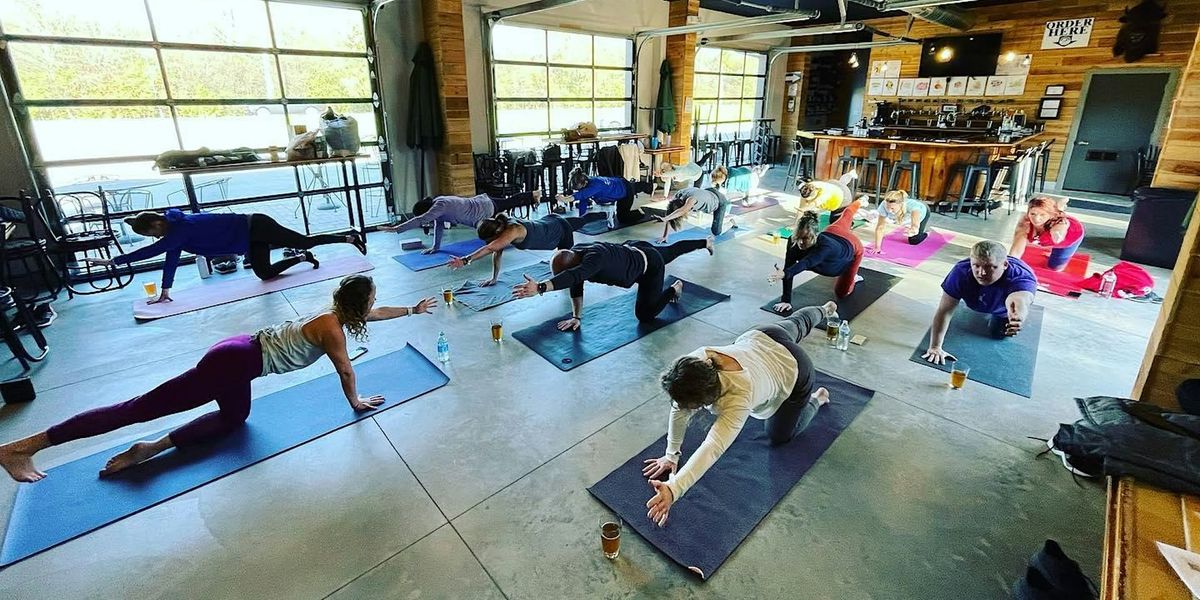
[970, 173]
[802, 163]
[873, 164]
[913, 167]
[1044, 164]
[845, 163]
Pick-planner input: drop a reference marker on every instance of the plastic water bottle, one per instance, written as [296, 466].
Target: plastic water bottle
[391, 216]
[443, 348]
[1108, 284]
[204, 267]
[843, 340]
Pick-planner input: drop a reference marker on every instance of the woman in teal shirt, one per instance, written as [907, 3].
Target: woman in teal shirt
[897, 207]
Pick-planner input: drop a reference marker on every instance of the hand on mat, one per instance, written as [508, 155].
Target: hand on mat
[488, 282]
[656, 467]
[776, 275]
[782, 308]
[370, 403]
[165, 296]
[424, 306]
[1013, 327]
[456, 262]
[99, 262]
[571, 324]
[661, 240]
[873, 249]
[937, 356]
[528, 289]
[660, 504]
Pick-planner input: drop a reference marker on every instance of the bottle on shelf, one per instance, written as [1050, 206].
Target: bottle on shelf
[443, 348]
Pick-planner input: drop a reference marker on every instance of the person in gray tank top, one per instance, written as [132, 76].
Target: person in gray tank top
[689, 200]
[551, 232]
[224, 374]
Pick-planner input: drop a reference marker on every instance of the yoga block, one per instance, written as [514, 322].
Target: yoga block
[412, 244]
[19, 390]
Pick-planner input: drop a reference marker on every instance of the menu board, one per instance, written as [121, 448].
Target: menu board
[939, 85]
[921, 89]
[957, 87]
[976, 86]
[996, 86]
[907, 85]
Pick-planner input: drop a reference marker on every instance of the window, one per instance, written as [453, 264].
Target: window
[107, 86]
[729, 88]
[546, 81]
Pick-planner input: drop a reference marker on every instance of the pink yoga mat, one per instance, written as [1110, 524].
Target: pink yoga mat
[215, 292]
[897, 249]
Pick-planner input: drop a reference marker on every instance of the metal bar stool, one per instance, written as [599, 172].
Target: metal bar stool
[876, 165]
[913, 167]
[845, 163]
[1044, 164]
[971, 172]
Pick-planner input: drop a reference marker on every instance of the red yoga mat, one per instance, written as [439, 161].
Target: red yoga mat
[1068, 282]
[215, 292]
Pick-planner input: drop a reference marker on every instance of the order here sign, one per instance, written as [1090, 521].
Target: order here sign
[1067, 33]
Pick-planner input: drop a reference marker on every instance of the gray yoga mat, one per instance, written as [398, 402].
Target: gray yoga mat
[480, 298]
[1007, 364]
[819, 290]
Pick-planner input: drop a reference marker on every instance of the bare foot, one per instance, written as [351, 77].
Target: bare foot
[138, 452]
[830, 308]
[18, 462]
[678, 287]
[821, 396]
[708, 244]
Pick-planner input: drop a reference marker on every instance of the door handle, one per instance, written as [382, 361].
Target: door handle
[1082, 143]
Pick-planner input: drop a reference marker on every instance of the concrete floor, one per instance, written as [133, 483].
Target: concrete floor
[477, 490]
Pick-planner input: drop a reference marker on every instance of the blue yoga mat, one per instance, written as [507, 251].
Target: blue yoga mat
[819, 290]
[74, 500]
[1006, 364]
[728, 502]
[419, 262]
[758, 204]
[609, 325]
[601, 227]
[479, 298]
[699, 233]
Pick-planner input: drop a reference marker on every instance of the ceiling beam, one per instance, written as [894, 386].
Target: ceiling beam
[530, 8]
[770, 19]
[787, 33]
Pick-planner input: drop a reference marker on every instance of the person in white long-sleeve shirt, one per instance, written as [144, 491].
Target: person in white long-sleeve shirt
[764, 374]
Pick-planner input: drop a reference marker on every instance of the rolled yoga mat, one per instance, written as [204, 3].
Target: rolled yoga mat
[728, 502]
[74, 500]
[601, 227]
[897, 249]
[417, 261]
[1068, 282]
[1006, 364]
[479, 298]
[819, 290]
[216, 291]
[759, 203]
[609, 325]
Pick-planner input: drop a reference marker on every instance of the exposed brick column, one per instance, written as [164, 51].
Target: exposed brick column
[444, 31]
[681, 54]
[792, 122]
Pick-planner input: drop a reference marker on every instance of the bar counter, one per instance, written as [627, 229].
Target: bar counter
[939, 152]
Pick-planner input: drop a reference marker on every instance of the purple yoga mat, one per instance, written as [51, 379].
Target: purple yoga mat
[215, 292]
[896, 248]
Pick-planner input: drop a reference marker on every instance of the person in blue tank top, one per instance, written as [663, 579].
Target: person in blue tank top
[606, 190]
[217, 234]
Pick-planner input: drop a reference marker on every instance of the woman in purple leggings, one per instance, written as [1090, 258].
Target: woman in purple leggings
[224, 374]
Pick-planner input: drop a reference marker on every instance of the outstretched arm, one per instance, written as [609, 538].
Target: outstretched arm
[495, 246]
[722, 433]
[880, 225]
[1018, 304]
[333, 341]
[937, 332]
[385, 313]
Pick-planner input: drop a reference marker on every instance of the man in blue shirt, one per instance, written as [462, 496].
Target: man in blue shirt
[990, 282]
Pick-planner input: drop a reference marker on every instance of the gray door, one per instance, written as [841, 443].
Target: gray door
[1119, 115]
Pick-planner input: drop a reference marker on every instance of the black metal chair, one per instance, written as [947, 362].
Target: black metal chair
[25, 241]
[10, 329]
[970, 180]
[873, 165]
[86, 227]
[913, 167]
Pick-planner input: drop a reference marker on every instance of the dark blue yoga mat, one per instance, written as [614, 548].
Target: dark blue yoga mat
[479, 298]
[756, 204]
[74, 500]
[1007, 364]
[729, 501]
[609, 325]
[819, 290]
[417, 261]
[601, 227]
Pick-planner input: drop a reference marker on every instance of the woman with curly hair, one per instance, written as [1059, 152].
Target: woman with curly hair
[224, 374]
[1045, 224]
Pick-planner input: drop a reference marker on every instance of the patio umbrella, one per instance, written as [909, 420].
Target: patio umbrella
[425, 131]
[664, 111]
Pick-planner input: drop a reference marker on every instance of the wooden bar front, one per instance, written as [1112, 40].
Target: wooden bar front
[940, 161]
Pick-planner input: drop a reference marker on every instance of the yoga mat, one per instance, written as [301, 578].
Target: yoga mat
[609, 325]
[417, 261]
[700, 233]
[761, 203]
[1006, 364]
[1068, 282]
[819, 290]
[216, 291]
[601, 227]
[728, 502]
[73, 500]
[478, 298]
[897, 249]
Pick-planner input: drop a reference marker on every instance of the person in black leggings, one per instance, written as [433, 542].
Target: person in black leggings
[222, 234]
[551, 232]
[623, 265]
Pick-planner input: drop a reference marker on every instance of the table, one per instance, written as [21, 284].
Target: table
[656, 154]
[938, 157]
